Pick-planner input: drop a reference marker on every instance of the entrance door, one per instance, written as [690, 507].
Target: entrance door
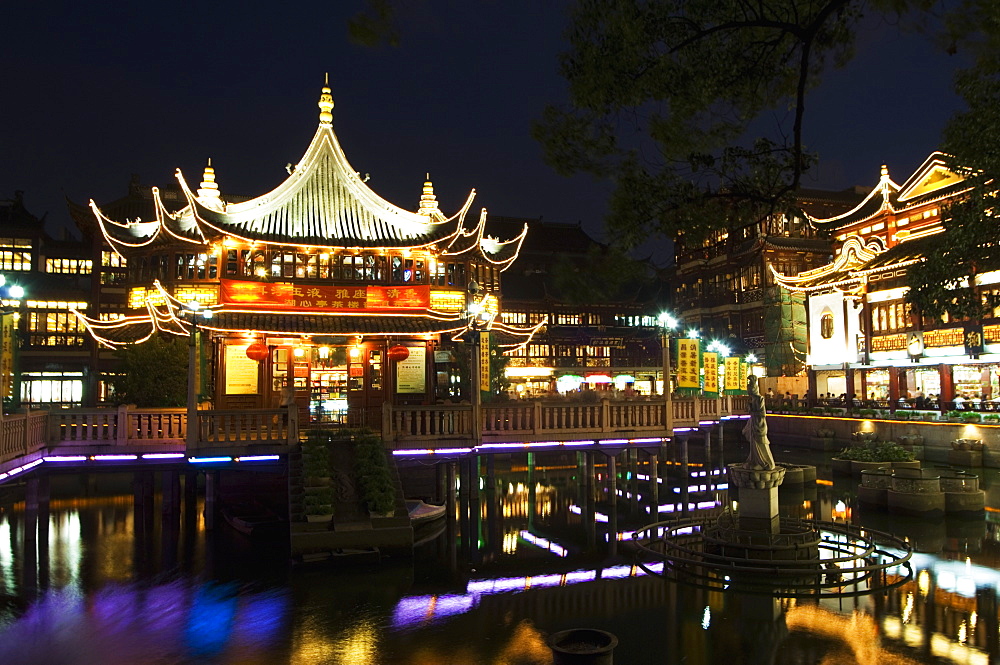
[366, 384]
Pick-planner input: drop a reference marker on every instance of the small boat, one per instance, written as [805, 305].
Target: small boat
[252, 519]
[421, 512]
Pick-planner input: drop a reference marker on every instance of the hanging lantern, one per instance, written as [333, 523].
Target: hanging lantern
[257, 351]
[398, 353]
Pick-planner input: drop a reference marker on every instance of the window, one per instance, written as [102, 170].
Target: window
[826, 325]
[47, 328]
[62, 388]
[15, 254]
[69, 266]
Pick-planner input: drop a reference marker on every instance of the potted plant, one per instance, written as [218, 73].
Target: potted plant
[872, 455]
[866, 413]
[954, 416]
[317, 500]
[991, 418]
[374, 477]
[903, 415]
[972, 417]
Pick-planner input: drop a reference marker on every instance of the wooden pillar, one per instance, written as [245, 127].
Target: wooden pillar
[633, 481]
[685, 476]
[211, 498]
[850, 387]
[613, 509]
[894, 392]
[947, 387]
[654, 486]
[589, 503]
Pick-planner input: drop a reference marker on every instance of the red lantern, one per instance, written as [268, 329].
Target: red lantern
[398, 353]
[257, 351]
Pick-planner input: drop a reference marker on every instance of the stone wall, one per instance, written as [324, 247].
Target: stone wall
[800, 431]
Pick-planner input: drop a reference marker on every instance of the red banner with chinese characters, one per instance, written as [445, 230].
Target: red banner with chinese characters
[324, 297]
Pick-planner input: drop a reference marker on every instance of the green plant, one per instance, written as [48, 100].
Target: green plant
[903, 415]
[953, 414]
[991, 418]
[372, 471]
[972, 417]
[818, 410]
[866, 413]
[876, 451]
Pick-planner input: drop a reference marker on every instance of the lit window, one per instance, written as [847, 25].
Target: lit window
[826, 325]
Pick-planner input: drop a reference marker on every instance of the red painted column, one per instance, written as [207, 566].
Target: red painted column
[893, 387]
[947, 385]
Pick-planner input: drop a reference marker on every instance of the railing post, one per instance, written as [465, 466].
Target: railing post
[605, 413]
[27, 429]
[536, 416]
[386, 421]
[293, 424]
[121, 425]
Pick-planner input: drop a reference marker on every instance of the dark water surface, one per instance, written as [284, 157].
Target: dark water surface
[95, 593]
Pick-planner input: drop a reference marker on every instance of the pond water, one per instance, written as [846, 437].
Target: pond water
[95, 592]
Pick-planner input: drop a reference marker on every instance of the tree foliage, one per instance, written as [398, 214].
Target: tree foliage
[154, 373]
[606, 275]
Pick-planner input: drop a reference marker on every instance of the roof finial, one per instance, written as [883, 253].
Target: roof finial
[428, 202]
[885, 171]
[208, 193]
[326, 102]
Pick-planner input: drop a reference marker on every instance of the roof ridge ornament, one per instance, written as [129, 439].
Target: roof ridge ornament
[428, 201]
[208, 192]
[325, 103]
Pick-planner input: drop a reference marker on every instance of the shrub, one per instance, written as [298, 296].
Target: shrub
[903, 415]
[818, 410]
[953, 414]
[372, 472]
[866, 413]
[972, 417]
[876, 451]
[991, 418]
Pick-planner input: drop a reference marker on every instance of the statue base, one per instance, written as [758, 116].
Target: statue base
[758, 497]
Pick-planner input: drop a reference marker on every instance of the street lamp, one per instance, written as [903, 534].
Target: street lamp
[667, 324]
[192, 312]
[12, 296]
[478, 319]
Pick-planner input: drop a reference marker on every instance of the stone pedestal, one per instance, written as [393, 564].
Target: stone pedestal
[758, 490]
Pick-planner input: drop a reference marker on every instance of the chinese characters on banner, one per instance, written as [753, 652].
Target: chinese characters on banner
[688, 364]
[711, 363]
[324, 297]
[6, 356]
[484, 362]
[731, 375]
[411, 372]
[744, 371]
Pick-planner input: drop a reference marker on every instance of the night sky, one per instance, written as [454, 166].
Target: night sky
[95, 92]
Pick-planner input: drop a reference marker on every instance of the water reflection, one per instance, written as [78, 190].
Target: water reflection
[536, 560]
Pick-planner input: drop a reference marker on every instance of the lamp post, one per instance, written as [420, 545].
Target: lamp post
[192, 311]
[667, 323]
[478, 319]
[10, 376]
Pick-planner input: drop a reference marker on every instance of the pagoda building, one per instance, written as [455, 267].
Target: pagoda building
[864, 338]
[319, 289]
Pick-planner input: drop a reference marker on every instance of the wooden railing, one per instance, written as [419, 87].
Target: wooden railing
[128, 428]
[544, 420]
[133, 430]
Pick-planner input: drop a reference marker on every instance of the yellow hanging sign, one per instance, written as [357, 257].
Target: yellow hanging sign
[484, 361]
[711, 363]
[732, 374]
[688, 363]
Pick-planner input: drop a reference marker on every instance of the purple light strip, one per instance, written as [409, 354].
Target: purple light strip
[162, 455]
[65, 458]
[543, 543]
[416, 452]
[207, 460]
[114, 458]
[258, 458]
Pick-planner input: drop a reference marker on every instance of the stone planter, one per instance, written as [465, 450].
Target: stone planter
[857, 467]
[913, 464]
[841, 466]
[324, 517]
[583, 646]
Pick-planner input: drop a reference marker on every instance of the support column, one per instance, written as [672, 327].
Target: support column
[450, 496]
[589, 507]
[685, 476]
[708, 452]
[633, 481]
[43, 531]
[170, 517]
[613, 509]
[440, 482]
[211, 498]
[894, 391]
[654, 485]
[947, 387]
[31, 501]
[464, 498]
[494, 532]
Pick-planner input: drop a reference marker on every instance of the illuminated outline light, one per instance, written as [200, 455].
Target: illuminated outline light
[258, 458]
[162, 455]
[113, 458]
[207, 460]
[543, 543]
[65, 458]
[432, 451]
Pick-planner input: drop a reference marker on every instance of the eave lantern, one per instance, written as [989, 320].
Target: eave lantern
[257, 351]
[398, 352]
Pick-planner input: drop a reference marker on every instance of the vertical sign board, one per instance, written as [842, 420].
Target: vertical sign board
[688, 365]
[484, 362]
[411, 375]
[6, 356]
[241, 371]
[732, 375]
[711, 362]
[744, 373]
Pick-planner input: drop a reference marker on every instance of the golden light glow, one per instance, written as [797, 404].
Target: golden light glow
[447, 301]
[324, 352]
[298, 352]
[355, 352]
